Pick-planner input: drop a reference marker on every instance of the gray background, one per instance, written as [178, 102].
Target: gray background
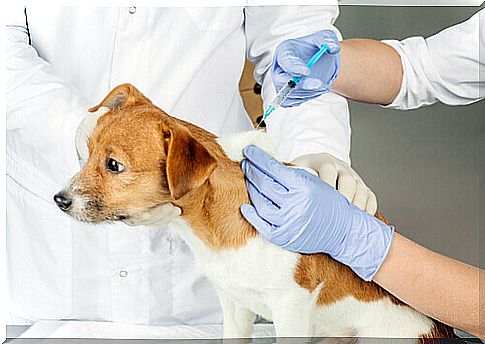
[424, 165]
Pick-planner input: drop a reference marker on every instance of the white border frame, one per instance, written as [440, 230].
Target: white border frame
[155, 3]
[3, 205]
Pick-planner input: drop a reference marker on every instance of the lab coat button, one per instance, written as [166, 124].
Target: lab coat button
[132, 9]
[123, 273]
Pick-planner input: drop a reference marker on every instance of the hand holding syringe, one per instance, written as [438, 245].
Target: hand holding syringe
[291, 85]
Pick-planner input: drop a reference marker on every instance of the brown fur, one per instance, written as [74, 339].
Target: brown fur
[170, 160]
[439, 330]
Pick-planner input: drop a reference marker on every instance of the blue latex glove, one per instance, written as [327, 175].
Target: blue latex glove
[299, 212]
[290, 60]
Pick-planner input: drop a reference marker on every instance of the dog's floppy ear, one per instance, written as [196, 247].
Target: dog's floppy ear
[122, 95]
[188, 163]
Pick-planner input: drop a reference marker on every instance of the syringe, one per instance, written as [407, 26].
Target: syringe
[290, 85]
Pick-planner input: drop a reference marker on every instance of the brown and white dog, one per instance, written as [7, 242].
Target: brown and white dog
[140, 157]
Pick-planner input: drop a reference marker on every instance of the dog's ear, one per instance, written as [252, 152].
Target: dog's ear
[188, 163]
[122, 95]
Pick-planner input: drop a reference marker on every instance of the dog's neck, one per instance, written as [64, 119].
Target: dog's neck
[213, 210]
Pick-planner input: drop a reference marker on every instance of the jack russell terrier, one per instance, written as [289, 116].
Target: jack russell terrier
[140, 157]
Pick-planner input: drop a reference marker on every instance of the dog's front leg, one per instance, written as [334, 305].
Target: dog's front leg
[238, 321]
[292, 313]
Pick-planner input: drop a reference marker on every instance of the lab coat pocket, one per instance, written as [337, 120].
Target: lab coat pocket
[216, 18]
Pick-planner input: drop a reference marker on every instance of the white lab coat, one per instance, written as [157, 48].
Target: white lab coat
[188, 61]
[448, 67]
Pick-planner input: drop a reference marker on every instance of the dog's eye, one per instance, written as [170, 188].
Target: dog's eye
[114, 166]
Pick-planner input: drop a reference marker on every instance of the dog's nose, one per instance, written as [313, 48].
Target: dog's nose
[62, 201]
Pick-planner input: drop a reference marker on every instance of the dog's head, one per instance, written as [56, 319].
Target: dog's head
[139, 157]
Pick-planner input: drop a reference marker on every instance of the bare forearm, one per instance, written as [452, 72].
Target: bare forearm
[370, 71]
[437, 286]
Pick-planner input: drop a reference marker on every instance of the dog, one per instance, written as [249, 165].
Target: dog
[140, 157]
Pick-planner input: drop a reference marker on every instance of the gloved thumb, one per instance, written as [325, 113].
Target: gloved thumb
[253, 218]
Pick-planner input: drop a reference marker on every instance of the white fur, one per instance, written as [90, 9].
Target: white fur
[233, 144]
[258, 278]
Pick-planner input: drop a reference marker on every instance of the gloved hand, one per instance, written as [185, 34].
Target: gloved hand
[299, 212]
[290, 60]
[83, 132]
[156, 217]
[342, 177]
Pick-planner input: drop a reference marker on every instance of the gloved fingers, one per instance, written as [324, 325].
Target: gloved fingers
[289, 61]
[347, 185]
[85, 129]
[306, 88]
[280, 78]
[285, 176]
[150, 222]
[163, 219]
[162, 211]
[329, 38]
[292, 101]
[333, 47]
[304, 160]
[371, 206]
[263, 183]
[263, 227]
[328, 173]
[363, 192]
[361, 195]
[266, 208]
[83, 132]
[158, 216]
[310, 84]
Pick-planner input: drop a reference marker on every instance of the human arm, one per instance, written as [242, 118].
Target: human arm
[320, 125]
[370, 71]
[436, 285]
[407, 74]
[297, 211]
[446, 67]
[43, 112]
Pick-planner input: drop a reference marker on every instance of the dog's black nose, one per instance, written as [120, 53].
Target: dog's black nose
[62, 201]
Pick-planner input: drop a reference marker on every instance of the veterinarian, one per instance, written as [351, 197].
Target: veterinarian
[60, 61]
[299, 212]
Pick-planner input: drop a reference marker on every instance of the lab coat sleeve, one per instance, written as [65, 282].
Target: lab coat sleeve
[316, 126]
[43, 112]
[446, 67]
